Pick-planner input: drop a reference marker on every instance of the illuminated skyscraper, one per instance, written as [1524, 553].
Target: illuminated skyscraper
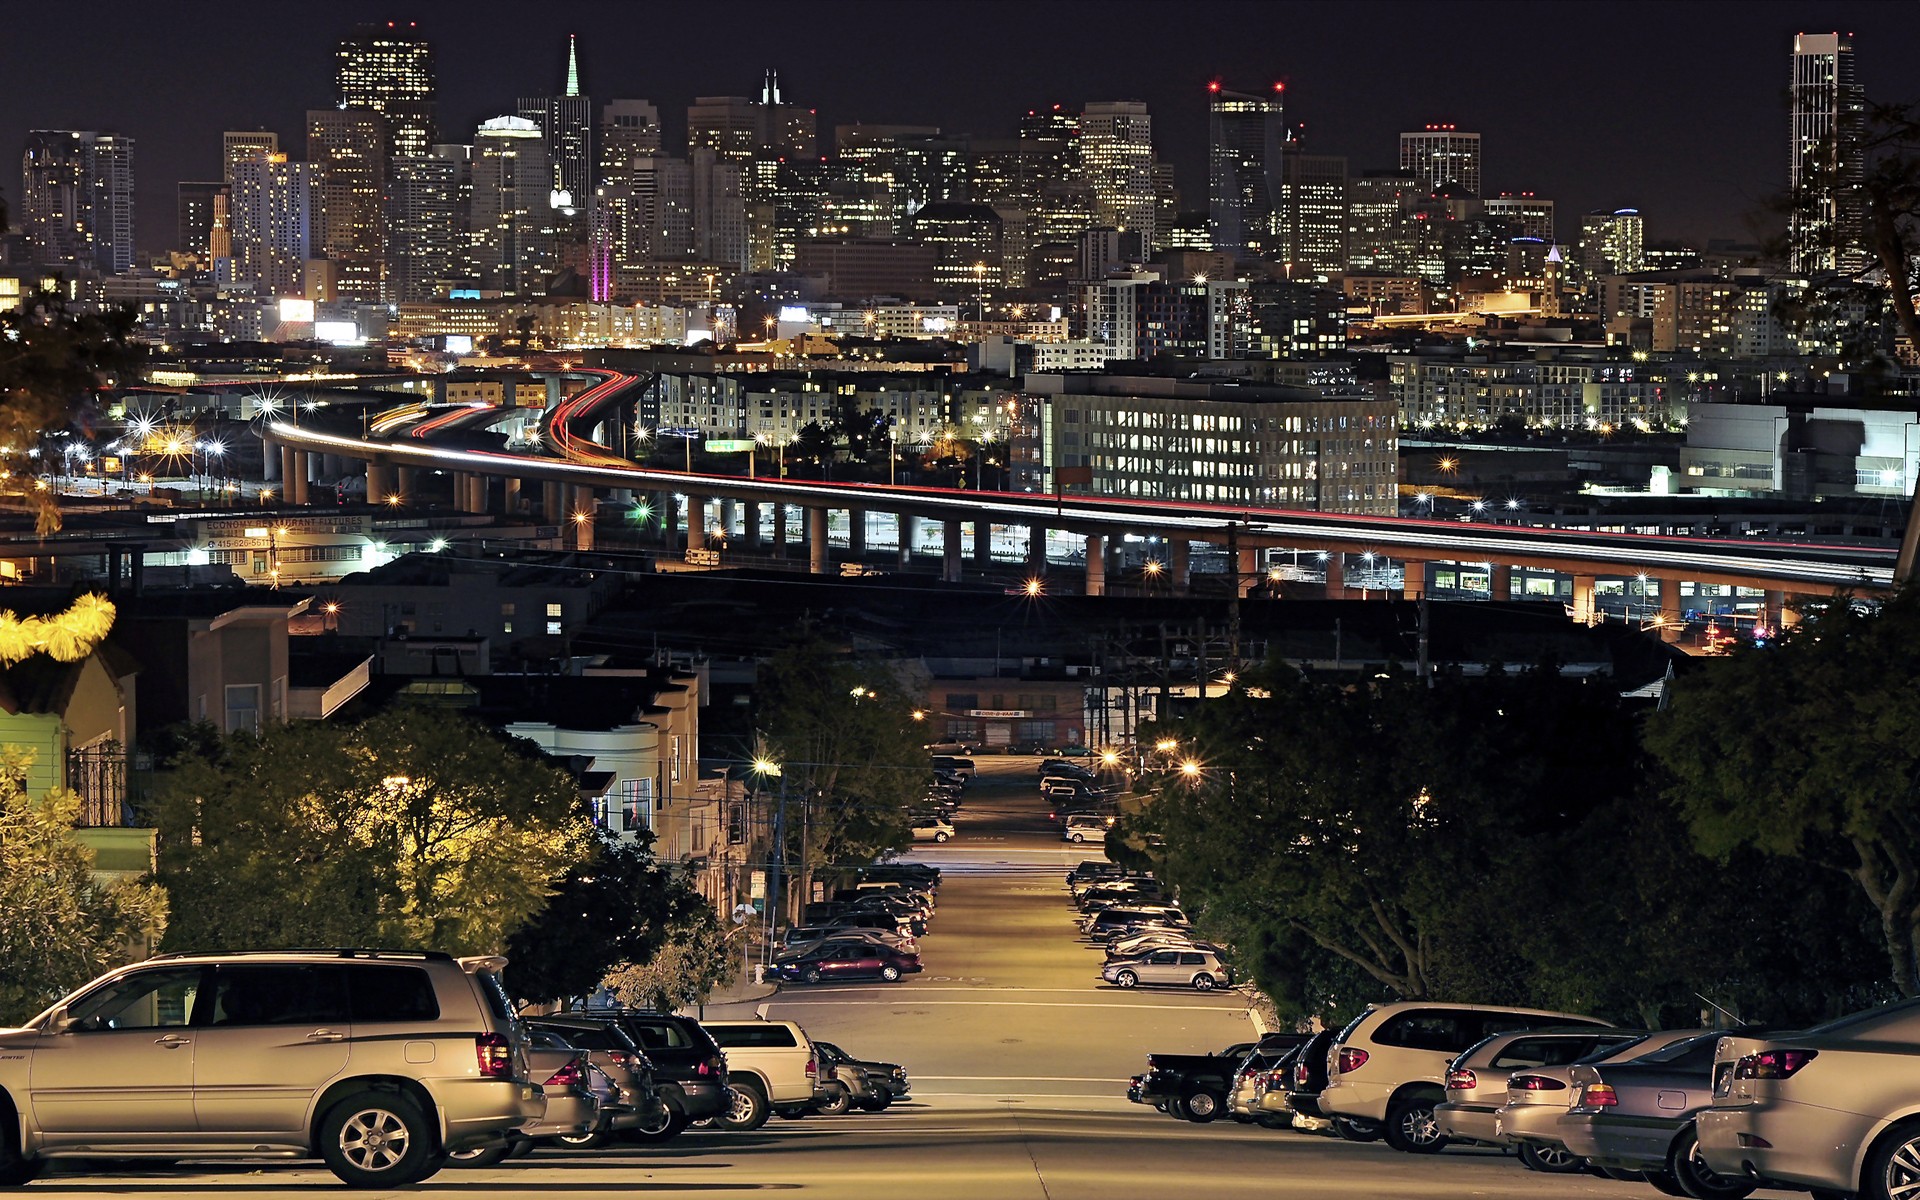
[1439, 155]
[1526, 215]
[194, 232]
[1311, 226]
[512, 214]
[77, 199]
[1612, 243]
[346, 148]
[1245, 141]
[273, 222]
[1826, 161]
[1116, 154]
[566, 122]
[427, 204]
[239, 145]
[389, 69]
[629, 129]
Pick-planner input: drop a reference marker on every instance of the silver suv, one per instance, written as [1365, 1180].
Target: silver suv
[378, 1062]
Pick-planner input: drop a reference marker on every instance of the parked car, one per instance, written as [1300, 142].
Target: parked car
[840, 1084]
[1091, 869]
[1118, 891]
[828, 961]
[800, 937]
[296, 1054]
[963, 767]
[1201, 970]
[574, 1098]
[1303, 1092]
[886, 1082]
[1476, 1081]
[1390, 1063]
[689, 1069]
[614, 1054]
[1107, 922]
[1066, 769]
[931, 829]
[1194, 1087]
[1135, 944]
[1538, 1097]
[1830, 1109]
[1086, 827]
[770, 1066]
[1638, 1115]
[1243, 1099]
[919, 874]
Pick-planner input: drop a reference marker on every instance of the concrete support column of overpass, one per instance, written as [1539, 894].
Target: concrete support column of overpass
[296, 490]
[696, 522]
[550, 506]
[1773, 612]
[1336, 567]
[1096, 565]
[817, 540]
[1673, 624]
[780, 529]
[270, 452]
[584, 505]
[982, 543]
[950, 551]
[666, 513]
[1413, 579]
[856, 532]
[378, 485]
[1179, 566]
[1499, 581]
[909, 533]
[511, 496]
[407, 483]
[726, 519]
[284, 469]
[462, 492]
[1246, 569]
[1585, 605]
[480, 493]
[750, 528]
[1036, 550]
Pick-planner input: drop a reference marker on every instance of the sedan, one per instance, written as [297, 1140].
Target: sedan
[1538, 1097]
[844, 960]
[1477, 1081]
[1830, 1109]
[1200, 970]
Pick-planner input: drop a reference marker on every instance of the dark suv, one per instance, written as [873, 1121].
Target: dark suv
[689, 1068]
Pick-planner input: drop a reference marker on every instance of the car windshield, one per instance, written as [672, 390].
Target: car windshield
[1606, 1050]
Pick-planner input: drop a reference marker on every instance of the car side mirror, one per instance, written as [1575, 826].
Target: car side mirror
[60, 1021]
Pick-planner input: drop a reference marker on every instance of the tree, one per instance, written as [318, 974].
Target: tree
[843, 735]
[417, 827]
[693, 961]
[1809, 749]
[60, 924]
[616, 905]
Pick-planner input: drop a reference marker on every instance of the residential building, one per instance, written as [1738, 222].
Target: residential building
[389, 69]
[1612, 243]
[193, 233]
[346, 150]
[1441, 154]
[1116, 158]
[1525, 215]
[428, 205]
[1479, 392]
[75, 721]
[272, 213]
[512, 211]
[1295, 320]
[1246, 136]
[76, 199]
[1826, 156]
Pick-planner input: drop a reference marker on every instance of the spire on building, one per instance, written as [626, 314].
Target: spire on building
[770, 89]
[573, 67]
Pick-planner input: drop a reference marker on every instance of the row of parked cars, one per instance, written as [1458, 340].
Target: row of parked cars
[870, 930]
[1710, 1113]
[1146, 939]
[385, 1065]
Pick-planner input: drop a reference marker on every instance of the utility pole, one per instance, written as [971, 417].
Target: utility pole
[1426, 666]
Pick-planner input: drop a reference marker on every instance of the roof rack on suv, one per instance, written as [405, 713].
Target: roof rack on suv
[335, 951]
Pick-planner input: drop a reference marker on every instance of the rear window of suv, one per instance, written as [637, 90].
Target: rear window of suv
[752, 1035]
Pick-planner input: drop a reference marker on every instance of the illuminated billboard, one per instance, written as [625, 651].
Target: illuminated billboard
[340, 333]
[294, 308]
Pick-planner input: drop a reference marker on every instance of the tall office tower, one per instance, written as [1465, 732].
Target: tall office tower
[77, 199]
[389, 69]
[727, 125]
[968, 246]
[789, 129]
[1380, 226]
[512, 212]
[656, 217]
[194, 232]
[239, 145]
[220, 236]
[566, 122]
[719, 211]
[1246, 138]
[1312, 221]
[347, 149]
[426, 223]
[917, 164]
[1116, 153]
[629, 129]
[1526, 215]
[1612, 243]
[1439, 155]
[273, 218]
[1826, 159]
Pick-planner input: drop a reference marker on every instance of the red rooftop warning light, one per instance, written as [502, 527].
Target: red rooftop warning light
[1214, 86]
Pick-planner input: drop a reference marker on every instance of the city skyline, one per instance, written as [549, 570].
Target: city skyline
[1607, 143]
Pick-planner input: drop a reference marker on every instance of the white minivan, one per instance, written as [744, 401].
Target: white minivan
[1087, 827]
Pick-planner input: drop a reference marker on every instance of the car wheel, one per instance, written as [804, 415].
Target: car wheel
[1701, 1182]
[1411, 1126]
[879, 1101]
[378, 1139]
[1076, 837]
[1662, 1181]
[1203, 982]
[663, 1124]
[1894, 1166]
[15, 1168]
[747, 1108]
[1126, 979]
[582, 1141]
[833, 1101]
[1200, 1105]
[1353, 1129]
[890, 973]
[480, 1156]
[1550, 1160]
[939, 837]
[811, 975]
[1274, 1121]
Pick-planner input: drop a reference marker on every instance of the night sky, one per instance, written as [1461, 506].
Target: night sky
[1677, 109]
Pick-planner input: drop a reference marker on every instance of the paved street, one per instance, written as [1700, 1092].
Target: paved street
[1019, 1060]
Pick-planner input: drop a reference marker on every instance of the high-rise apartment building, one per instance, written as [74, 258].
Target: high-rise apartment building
[1246, 139]
[1311, 225]
[239, 145]
[428, 201]
[1116, 155]
[1612, 243]
[719, 211]
[1826, 159]
[512, 210]
[273, 218]
[77, 199]
[193, 233]
[1439, 155]
[566, 122]
[389, 69]
[1525, 214]
[1380, 226]
[347, 149]
[629, 129]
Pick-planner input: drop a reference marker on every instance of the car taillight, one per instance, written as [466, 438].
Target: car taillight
[813, 1067]
[566, 1076]
[1276, 1079]
[1300, 1076]
[1535, 1083]
[1599, 1095]
[495, 1054]
[1462, 1079]
[621, 1059]
[1772, 1064]
[1351, 1060]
